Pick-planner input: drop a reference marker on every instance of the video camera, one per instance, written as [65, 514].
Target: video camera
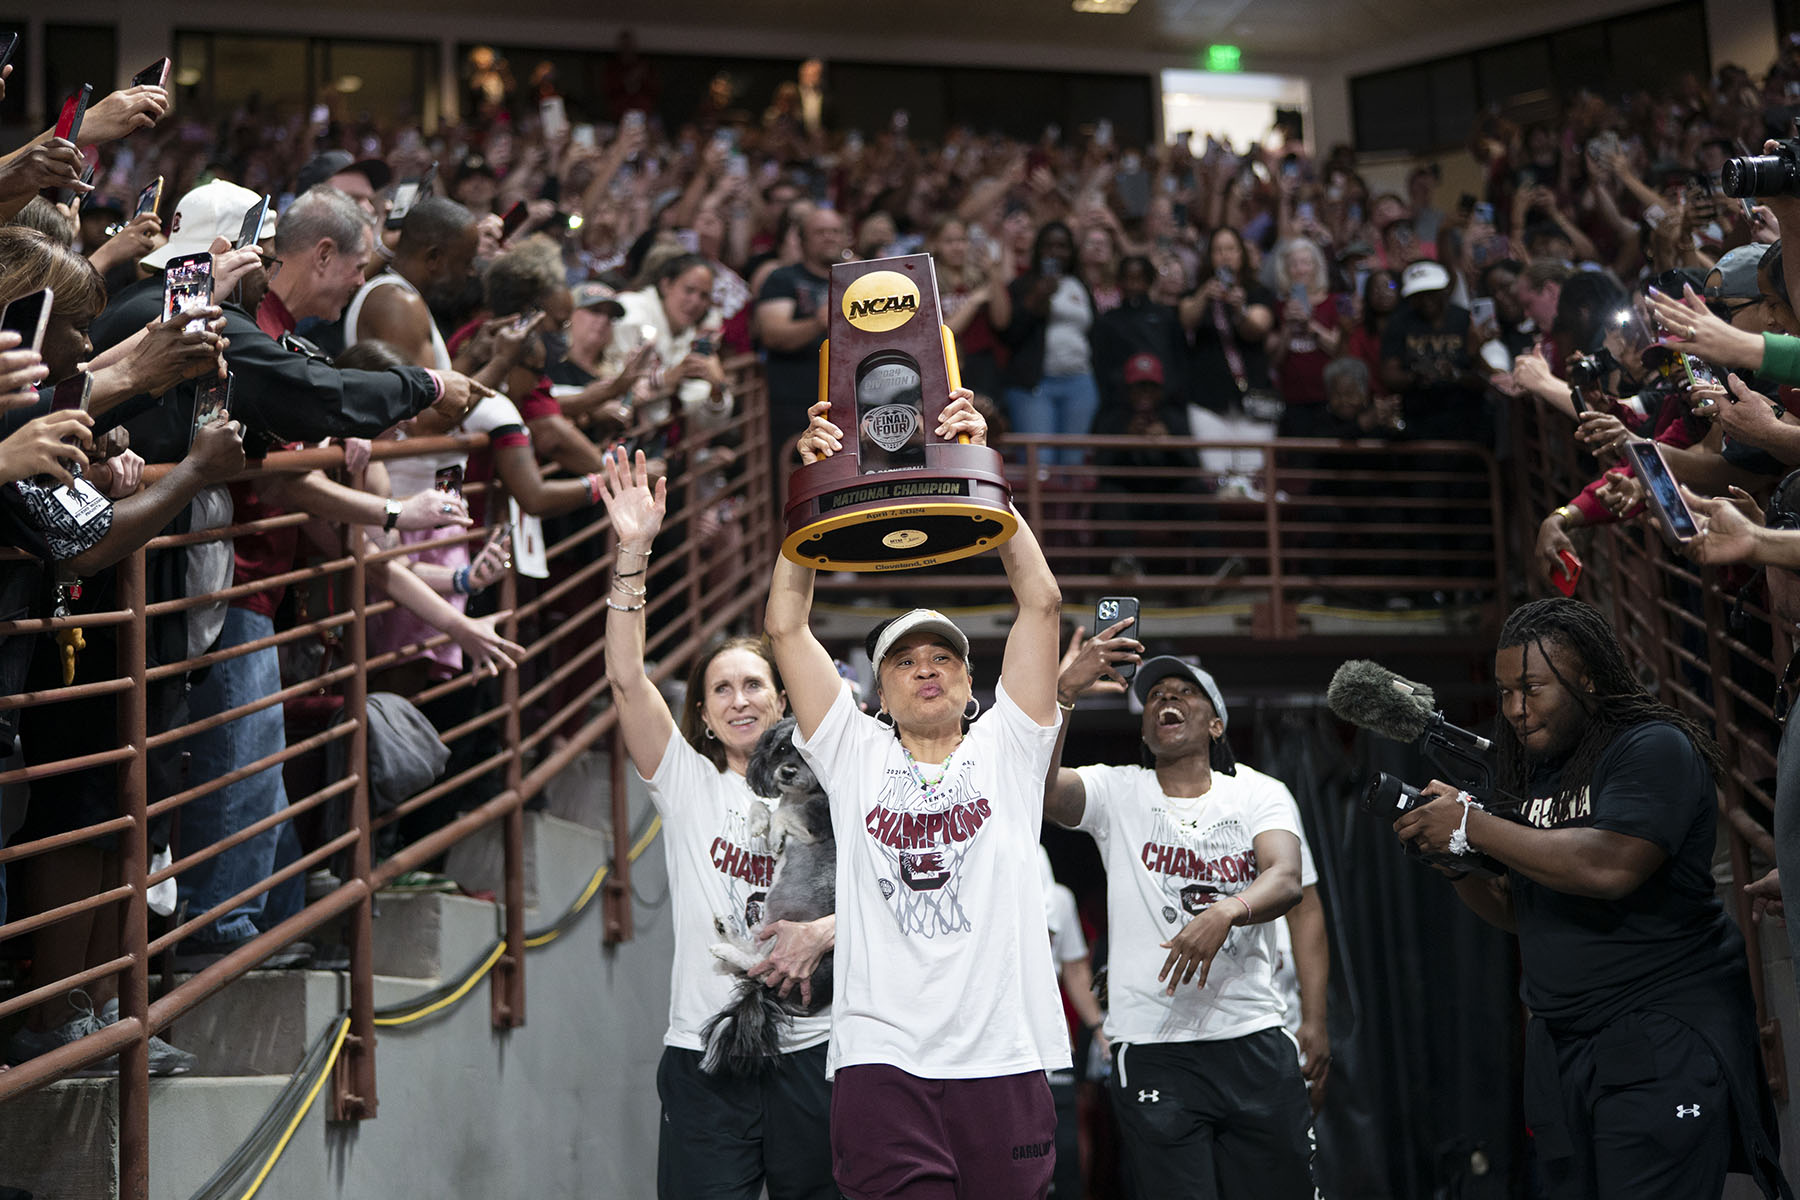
[1372, 697]
[1752, 175]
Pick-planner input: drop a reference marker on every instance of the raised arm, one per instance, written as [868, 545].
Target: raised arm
[806, 668]
[637, 516]
[1088, 665]
[1028, 668]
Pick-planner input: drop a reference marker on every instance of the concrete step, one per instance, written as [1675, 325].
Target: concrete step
[430, 935]
[560, 856]
[61, 1142]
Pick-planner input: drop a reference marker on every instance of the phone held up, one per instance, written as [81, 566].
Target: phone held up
[28, 316]
[1109, 611]
[187, 285]
[1673, 517]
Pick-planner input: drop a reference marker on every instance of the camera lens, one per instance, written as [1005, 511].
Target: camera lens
[1382, 795]
[1758, 175]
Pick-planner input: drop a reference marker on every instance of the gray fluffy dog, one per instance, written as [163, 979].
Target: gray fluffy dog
[744, 1037]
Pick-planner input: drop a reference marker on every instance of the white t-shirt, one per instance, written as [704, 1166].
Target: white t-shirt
[1167, 859]
[717, 869]
[409, 475]
[1066, 335]
[943, 964]
[1066, 942]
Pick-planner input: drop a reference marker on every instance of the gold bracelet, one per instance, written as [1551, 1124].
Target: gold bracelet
[1568, 512]
[1070, 707]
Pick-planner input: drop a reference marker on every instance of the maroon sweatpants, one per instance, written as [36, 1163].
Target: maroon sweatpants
[895, 1136]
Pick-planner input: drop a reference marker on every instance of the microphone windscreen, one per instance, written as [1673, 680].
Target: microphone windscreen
[1372, 697]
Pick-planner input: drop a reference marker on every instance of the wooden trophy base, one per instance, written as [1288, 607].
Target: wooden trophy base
[957, 506]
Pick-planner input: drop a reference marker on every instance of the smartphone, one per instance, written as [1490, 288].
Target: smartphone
[71, 392]
[703, 347]
[1570, 575]
[450, 479]
[1226, 276]
[553, 115]
[150, 198]
[582, 135]
[514, 220]
[1673, 515]
[1053, 268]
[212, 399]
[156, 75]
[1109, 611]
[9, 42]
[187, 285]
[1697, 372]
[408, 193]
[1297, 293]
[523, 319]
[28, 316]
[68, 125]
[1305, 212]
[1483, 212]
[253, 222]
[1103, 132]
[1481, 311]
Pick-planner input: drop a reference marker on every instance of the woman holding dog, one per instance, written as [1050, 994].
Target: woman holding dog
[722, 1136]
[945, 1013]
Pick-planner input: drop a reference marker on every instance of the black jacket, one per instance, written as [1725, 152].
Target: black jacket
[279, 395]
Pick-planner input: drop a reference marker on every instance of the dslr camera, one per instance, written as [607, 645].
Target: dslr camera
[1776, 174]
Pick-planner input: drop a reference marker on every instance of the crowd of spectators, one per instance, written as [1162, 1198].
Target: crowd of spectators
[556, 284]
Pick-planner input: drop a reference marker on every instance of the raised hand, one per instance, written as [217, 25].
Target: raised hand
[822, 439]
[960, 417]
[635, 509]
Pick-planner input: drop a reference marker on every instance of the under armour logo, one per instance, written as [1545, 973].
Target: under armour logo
[1685, 1110]
[1153, 1096]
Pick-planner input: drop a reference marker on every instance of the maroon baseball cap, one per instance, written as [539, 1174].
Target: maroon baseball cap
[1143, 368]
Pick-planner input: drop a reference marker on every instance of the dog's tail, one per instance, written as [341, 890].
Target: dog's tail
[744, 1037]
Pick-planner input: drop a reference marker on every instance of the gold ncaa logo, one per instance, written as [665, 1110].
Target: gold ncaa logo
[880, 301]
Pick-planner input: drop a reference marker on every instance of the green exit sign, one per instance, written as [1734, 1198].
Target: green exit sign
[1223, 58]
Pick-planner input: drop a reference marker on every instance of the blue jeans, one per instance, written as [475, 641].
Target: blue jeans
[1058, 404]
[221, 813]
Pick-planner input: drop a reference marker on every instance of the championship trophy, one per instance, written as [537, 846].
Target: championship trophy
[896, 496]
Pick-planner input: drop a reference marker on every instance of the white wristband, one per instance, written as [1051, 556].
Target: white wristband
[1459, 839]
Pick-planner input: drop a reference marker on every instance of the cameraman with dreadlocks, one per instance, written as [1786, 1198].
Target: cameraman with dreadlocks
[1642, 1072]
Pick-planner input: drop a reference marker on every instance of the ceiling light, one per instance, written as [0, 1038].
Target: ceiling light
[1104, 6]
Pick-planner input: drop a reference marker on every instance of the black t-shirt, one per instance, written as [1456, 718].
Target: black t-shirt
[1437, 353]
[564, 372]
[794, 374]
[1214, 384]
[1586, 961]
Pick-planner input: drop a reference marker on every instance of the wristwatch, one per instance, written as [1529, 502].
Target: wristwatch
[393, 516]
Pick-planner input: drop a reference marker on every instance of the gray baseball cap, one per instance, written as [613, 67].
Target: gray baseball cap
[1163, 666]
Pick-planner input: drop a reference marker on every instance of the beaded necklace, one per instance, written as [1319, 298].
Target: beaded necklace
[928, 786]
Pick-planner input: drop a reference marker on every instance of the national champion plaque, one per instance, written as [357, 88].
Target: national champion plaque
[896, 496]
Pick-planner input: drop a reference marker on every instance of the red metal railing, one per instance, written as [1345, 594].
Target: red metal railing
[1674, 618]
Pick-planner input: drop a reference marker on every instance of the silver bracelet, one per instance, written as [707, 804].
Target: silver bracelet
[626, 608]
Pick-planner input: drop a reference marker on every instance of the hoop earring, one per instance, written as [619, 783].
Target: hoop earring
[711, 735]
[972, 709]
[884, 717]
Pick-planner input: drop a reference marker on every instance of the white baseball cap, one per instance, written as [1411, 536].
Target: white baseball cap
[212, 210]
[919, 620]
[1163, 666]
[1424, 276]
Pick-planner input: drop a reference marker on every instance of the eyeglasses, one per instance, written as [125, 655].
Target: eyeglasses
[270, 263]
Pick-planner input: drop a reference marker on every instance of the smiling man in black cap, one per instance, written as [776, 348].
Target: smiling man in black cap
[1201, 856]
